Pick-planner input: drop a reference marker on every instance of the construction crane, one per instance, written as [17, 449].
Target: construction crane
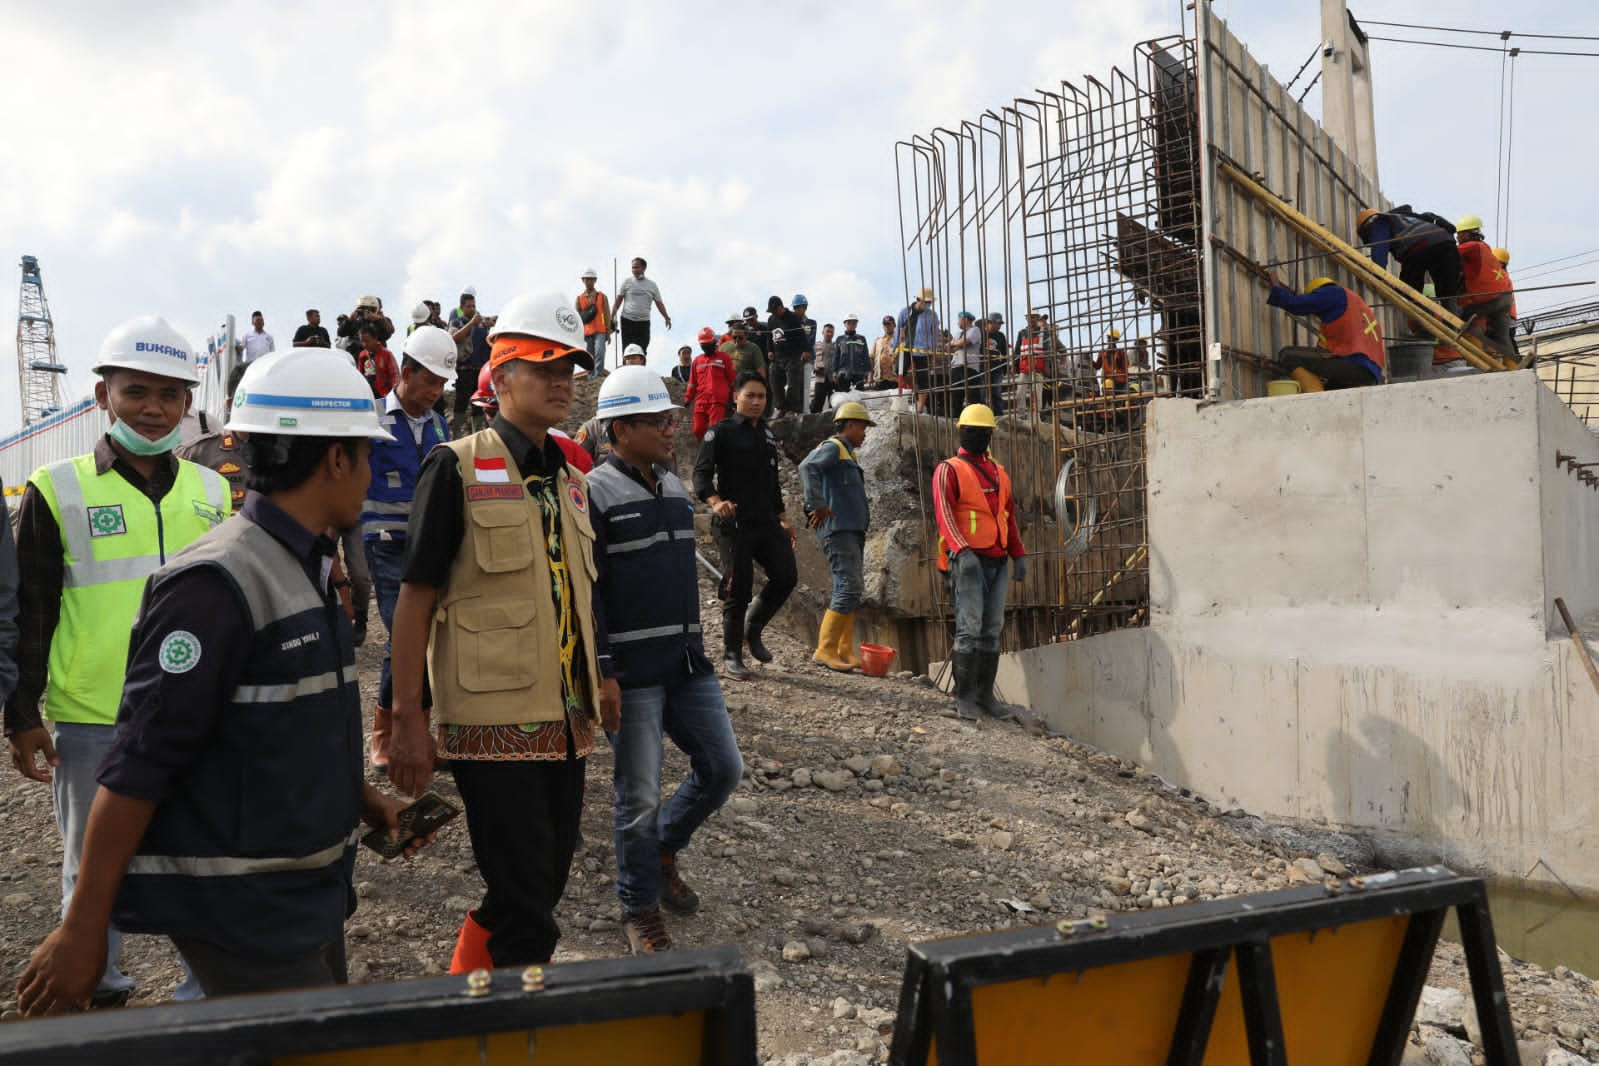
[39, 371]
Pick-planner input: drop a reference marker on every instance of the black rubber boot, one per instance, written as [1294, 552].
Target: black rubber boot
[754, 623]
[983, 689]
[966, 668]
[733, 641]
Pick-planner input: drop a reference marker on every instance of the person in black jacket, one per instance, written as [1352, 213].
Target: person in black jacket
[736, 475]
[789, 345]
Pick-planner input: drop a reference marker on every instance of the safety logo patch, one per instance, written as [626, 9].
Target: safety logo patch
[474, 493]
[180, 652]
[580, 502]
[107, 521]
[211, 514]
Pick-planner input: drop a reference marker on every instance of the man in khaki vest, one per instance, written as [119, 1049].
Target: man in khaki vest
[497, 593]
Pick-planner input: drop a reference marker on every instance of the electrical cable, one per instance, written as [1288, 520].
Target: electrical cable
[1510, 149]
[1301, 71]
[1485, 33]
[1481, 47]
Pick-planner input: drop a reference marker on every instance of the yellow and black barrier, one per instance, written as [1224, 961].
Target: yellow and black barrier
[695, 1008]
[1330, 976]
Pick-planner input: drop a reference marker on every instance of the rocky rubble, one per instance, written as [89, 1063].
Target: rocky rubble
[868, 819]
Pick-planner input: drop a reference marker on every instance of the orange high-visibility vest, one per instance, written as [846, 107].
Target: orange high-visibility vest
[1485, 276]
[982, 526]
[1355, 332]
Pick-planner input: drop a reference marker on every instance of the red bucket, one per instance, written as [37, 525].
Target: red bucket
[875, 659]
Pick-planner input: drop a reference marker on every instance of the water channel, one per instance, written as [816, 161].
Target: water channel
[1549, 927]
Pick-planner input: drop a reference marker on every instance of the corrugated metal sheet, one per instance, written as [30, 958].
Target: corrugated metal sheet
[61, 436]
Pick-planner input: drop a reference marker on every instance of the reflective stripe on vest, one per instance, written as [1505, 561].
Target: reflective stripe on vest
[628, 636]
[230, 866]
[984, 527]
[113, 537]
[1355, 332]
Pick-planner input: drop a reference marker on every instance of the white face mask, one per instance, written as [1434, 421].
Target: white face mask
[137, 443]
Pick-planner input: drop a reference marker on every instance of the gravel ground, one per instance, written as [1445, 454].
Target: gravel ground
[867, 821]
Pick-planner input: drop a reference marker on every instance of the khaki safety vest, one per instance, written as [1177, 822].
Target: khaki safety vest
[494, 655]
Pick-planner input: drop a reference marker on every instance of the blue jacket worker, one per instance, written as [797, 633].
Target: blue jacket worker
[232, 794]
[836, 508]
[428, 363]
[644, 548]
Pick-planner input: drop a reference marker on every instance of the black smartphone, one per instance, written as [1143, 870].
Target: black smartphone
[418, 820]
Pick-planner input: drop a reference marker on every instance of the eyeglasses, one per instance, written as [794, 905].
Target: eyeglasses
[663, 421]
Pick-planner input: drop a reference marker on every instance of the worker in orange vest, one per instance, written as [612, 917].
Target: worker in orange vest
[1488, 290]
[1503, 255]
[1111, 362]
[977, 536]
[1351, 353]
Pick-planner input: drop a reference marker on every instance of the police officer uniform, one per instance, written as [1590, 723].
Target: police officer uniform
[219, 451]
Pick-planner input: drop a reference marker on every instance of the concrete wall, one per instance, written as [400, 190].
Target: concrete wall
[1350, 621]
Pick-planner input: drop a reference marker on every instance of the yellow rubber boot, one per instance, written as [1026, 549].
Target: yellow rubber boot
[1308, 382]
[846, 642]
[827, 644]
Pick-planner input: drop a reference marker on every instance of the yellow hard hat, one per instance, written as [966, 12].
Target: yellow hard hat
[1364, 217]
[1503, 255]
[1115, 334]
[977, 414]
[852, 411]
[1317, 283]
[1469, 222]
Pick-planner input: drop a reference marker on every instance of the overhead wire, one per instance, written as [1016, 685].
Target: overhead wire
[1481, 47]
[1485, 33]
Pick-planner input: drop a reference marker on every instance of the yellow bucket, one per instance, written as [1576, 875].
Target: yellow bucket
[1282, 387]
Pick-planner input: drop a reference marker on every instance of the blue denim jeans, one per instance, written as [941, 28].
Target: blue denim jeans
[845, 550]
[980, 603]
[384, 559]
[595, 343]
[693, 715]
[81, 746]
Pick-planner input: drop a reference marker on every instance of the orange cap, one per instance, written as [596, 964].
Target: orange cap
[535, 350]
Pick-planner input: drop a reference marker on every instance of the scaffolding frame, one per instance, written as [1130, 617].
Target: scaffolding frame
[1104, 205]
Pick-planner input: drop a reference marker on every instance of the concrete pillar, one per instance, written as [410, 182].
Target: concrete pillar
[1346, 100]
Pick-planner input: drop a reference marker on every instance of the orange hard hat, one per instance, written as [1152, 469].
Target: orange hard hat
[1365, 217]
[707, 335]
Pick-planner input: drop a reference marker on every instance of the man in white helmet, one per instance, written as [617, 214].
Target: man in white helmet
[232, 795]
[90, 531]
[643, 520]
[427, 364]
[497, 595]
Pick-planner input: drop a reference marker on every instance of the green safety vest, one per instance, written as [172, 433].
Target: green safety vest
[112, 539]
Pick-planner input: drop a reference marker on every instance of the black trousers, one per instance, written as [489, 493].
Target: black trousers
[523, 819]
[1442, 264]
[787, 379]
[1337, 373]
[634, 331]
[743, 544]
[222, 972]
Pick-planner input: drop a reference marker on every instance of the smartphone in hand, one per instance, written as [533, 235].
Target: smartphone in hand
[417, 820]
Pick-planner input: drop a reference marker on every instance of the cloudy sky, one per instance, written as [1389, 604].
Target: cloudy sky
[196, 159]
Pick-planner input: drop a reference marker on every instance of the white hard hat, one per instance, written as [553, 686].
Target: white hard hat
[149, 344]
[421, 313]
[633, 349]
[633, 390]
[470, 290]
[853, 316]
[433, 348]
[302, 392]
[547, 316]
[588, 272]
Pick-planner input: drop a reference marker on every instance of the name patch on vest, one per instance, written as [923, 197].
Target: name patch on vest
[211, 514]
[180, 652]
[475, 493]
[107, 521]
[580, 502]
